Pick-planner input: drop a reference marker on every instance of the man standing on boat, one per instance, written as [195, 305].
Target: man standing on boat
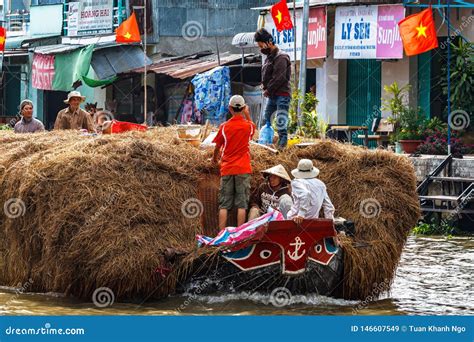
[232, 144]
[309, 194]
[276, 75]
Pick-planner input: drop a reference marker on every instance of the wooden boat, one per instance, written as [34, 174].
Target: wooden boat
[302, 258]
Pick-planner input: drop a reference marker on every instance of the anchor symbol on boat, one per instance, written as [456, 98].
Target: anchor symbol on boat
[297, 244]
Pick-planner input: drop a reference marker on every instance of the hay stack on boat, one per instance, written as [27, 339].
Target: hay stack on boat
[107, 211]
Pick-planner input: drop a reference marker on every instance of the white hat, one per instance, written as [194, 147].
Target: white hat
[279, 171]
[305, 169]
[237, 101]
[74, 93]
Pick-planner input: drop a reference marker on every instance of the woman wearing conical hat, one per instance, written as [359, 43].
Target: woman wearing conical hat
[270, 193]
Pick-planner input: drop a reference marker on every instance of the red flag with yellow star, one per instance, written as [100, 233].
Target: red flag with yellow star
[128, 31]
[418, 32]
[3, 37]
[281, 16]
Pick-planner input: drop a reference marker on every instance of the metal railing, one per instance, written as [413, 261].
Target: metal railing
[17, 23]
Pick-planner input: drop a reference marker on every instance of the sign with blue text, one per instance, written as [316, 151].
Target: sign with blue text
[368, 32]
[355, 32]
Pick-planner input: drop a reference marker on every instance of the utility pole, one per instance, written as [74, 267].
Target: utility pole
[294, 42]
[145, 102]
[304, 49]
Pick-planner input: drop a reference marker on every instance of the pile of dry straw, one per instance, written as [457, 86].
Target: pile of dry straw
[83, 212]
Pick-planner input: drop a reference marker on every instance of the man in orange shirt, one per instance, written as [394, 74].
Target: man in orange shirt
[232, 143]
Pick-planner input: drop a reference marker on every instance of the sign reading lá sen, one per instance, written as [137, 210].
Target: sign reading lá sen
[90, 17]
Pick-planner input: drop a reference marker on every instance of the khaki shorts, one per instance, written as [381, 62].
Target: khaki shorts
[234, 190]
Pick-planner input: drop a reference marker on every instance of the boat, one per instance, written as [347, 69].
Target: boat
[301, 258]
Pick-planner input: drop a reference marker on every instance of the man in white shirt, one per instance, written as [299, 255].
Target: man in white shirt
[309, 194]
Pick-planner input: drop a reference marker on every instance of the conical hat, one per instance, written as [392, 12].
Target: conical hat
[279, 171]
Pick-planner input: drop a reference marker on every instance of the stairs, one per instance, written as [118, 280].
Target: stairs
[446, 194]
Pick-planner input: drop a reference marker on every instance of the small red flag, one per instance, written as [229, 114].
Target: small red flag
[3, 38]
[281, 16]
[418, 33]
[128, 31]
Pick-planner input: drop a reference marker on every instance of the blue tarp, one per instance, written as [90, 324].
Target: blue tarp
[212, 93]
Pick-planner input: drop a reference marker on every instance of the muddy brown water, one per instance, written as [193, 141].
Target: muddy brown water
[434, 278]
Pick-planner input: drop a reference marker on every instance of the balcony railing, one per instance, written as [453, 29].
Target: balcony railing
[17, 23]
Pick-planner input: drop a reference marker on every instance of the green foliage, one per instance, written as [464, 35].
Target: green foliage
[311, 125]
[411, 124]
[462, 77]
[5, 128]
[436, 124]
[396, 104]
[434, 228]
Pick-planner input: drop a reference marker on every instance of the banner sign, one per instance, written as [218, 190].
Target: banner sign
[42, 74]
[368, 32]
[317, 34]
[90, 17]
[389, 42]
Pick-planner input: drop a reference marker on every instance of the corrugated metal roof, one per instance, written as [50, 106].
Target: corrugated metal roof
[117, 59]
[55, 49]
[187, 67]
[245, 39]
[18, 42]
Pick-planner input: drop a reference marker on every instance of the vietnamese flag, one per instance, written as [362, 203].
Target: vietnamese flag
[418, 32]
[281, 16]
[3, 37]
[128, 31]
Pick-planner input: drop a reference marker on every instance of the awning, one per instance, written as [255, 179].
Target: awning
[21, 41]
[55, 49]
[187, 67]
[107, 60]
[110, 61]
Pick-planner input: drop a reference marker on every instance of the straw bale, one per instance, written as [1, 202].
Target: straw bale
[107, 210]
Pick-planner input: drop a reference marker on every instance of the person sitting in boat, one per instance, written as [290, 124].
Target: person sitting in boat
[270, 193]
[309, 194]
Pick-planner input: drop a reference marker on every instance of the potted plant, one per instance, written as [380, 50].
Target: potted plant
[411, 132]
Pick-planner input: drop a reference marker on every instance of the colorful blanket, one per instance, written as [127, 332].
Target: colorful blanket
[234, 235]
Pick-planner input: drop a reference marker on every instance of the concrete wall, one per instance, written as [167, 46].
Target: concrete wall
[425, 164]
[189, 26]
[392, 71]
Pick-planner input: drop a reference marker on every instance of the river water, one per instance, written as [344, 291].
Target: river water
[434, 278]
